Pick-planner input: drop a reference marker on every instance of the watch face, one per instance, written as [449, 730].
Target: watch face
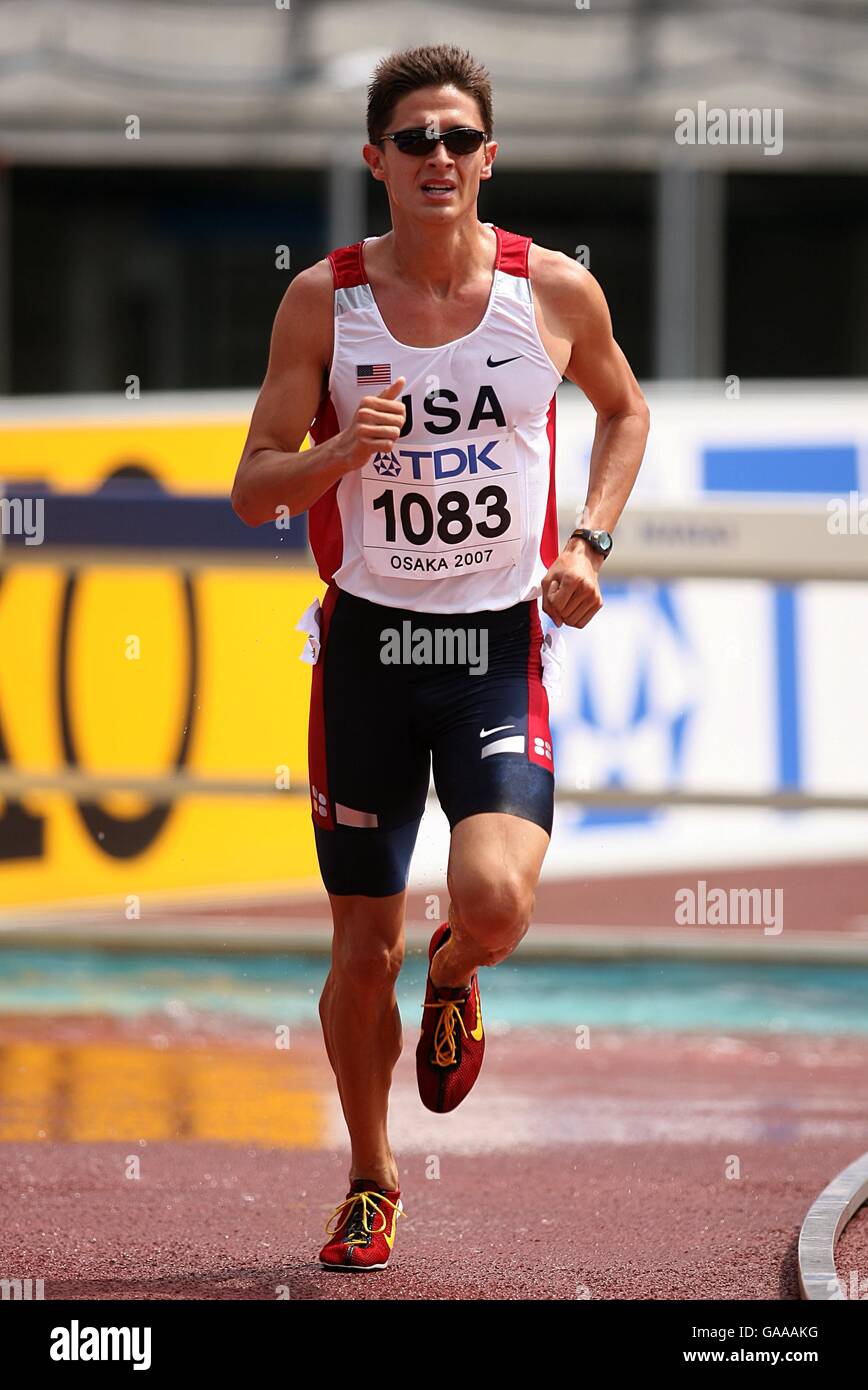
[604, 540]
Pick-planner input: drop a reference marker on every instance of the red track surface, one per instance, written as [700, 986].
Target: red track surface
[816, 897]
[564, 1175]
[566, 1213]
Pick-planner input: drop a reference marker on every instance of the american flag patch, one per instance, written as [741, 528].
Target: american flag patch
[374, 374]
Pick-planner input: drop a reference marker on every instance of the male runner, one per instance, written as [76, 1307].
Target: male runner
[431, 502]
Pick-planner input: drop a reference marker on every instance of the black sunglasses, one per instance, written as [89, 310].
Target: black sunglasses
[461, 140]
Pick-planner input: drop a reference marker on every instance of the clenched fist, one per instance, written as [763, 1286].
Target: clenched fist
[571, 590]
[376, 425]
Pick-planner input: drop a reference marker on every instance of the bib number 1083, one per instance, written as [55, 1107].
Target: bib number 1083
[452, 521]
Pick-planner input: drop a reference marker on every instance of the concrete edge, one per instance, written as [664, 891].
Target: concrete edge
[819, 1280]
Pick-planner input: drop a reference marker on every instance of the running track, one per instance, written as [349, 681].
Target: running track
[565, 1174]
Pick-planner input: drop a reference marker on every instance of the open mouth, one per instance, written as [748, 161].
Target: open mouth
[435, 189]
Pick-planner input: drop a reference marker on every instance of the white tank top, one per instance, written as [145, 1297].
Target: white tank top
[461, 515]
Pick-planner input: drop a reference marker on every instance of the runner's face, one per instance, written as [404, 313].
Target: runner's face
[410, 179]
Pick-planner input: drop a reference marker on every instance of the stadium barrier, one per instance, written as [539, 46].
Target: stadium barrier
[788, 543]
[213, 724]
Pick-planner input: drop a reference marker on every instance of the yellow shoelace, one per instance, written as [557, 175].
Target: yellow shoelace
[444, 1033]
[369, 1202]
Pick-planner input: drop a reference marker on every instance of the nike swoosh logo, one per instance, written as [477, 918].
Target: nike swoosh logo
[503, 361]
[476, 1033]
[390, 1236]
[483, 733]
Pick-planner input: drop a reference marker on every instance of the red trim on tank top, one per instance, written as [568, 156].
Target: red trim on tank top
[511, 256]
[325, 531]
[549, 546]
[348, 266]
[513, 253]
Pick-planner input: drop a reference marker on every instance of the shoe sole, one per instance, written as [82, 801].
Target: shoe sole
[358, 1269]
[351, 1269]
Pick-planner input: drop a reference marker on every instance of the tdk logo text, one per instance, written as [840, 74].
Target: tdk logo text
[451, 462]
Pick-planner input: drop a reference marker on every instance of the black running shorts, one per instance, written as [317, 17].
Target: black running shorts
[394, 689]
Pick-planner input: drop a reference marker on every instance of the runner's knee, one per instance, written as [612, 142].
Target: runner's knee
[494, 909]
[365, 964]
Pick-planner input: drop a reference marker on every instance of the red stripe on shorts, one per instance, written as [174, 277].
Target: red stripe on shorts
[539, 737]
[317, 762]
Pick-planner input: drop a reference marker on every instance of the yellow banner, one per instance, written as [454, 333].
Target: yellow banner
[186, 456]
[144, 670]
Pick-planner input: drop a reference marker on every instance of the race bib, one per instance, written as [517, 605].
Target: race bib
[431, 513]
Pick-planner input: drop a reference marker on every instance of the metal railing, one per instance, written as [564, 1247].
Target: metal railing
[786, 543]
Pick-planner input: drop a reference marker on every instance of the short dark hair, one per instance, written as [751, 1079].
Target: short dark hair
[436, 65]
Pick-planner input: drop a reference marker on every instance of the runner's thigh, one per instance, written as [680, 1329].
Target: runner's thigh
[492, 745]
[369, 771]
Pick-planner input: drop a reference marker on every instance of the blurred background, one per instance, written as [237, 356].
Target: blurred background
[152, 248]
[165, 170]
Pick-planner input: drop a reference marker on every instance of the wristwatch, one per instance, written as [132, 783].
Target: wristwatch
[600, 541]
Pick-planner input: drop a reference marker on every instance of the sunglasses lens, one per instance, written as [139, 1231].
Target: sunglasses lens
[462, 141]
[418, 142]
[414, 142]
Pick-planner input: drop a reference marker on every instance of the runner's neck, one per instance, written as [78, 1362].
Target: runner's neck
[437, 264]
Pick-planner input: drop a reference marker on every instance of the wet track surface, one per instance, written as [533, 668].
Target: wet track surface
[649, 1165]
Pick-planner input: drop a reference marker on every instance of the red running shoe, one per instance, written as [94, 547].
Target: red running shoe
[452, 1044]
[365, 1233]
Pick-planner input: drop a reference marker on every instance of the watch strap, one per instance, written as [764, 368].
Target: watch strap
[585, 533]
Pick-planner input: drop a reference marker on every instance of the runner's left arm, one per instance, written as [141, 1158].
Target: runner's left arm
[577, 323]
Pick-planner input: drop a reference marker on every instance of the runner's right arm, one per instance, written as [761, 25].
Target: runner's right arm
[274, 470]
